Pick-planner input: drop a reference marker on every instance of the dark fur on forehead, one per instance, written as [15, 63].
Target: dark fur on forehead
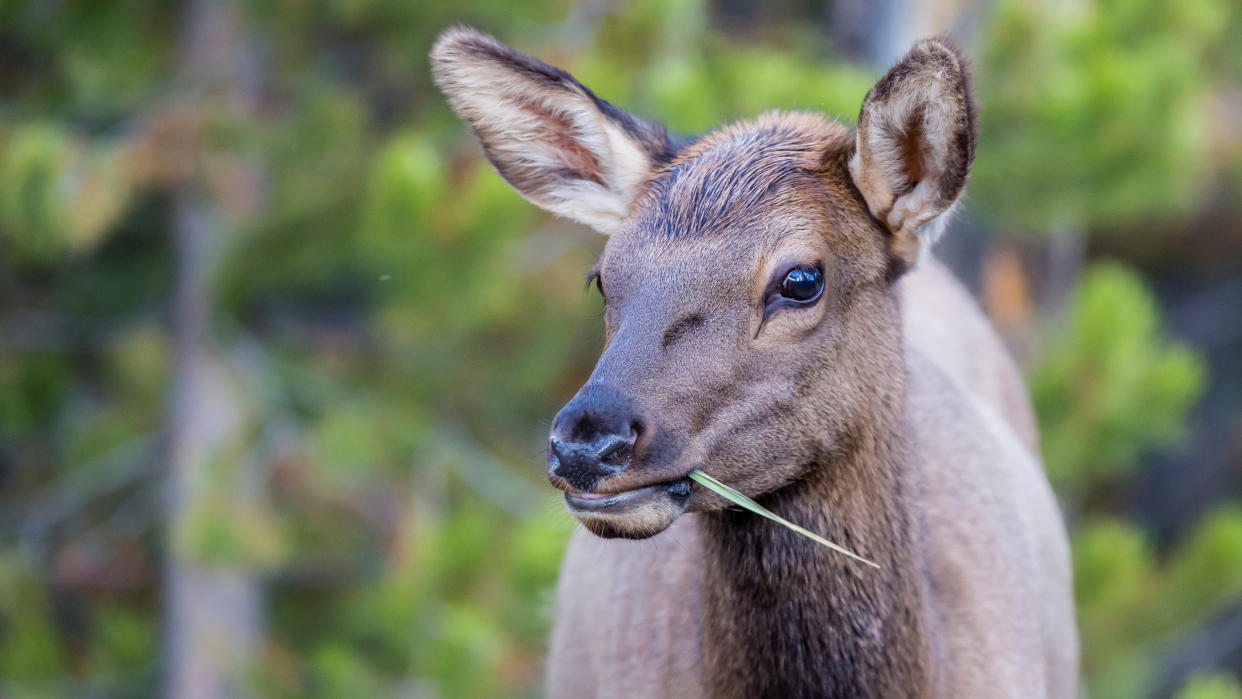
[717, 182]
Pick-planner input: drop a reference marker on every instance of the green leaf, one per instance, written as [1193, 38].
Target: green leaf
[737, 498]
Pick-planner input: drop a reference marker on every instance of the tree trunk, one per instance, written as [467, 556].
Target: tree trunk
[894, 25]
[1067, 254]
[212, 611]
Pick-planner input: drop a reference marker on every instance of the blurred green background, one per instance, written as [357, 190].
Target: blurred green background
[278, 350]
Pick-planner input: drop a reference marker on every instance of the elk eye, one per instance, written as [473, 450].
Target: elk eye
[803, 284]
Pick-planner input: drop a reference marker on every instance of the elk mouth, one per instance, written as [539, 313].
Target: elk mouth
[627, 499]
[637, 513]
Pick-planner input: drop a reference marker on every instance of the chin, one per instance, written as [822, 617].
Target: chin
[634, 514]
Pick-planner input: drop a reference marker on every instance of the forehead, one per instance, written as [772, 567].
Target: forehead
[744, 196]
[732, 178]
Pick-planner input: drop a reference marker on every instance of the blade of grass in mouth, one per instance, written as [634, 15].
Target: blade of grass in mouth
[737, 498]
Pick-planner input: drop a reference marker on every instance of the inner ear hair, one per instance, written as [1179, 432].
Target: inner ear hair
[915, 144]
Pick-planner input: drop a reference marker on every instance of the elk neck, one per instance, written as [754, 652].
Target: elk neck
[784, 616]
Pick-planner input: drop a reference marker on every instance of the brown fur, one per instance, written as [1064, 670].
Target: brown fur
[941, 319]
[845, 415]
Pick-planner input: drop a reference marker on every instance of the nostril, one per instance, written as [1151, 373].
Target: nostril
[616, 452]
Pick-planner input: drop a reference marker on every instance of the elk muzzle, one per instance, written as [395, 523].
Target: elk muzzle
[593, 438]
[595, 455]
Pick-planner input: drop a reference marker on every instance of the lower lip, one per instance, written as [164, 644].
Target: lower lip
[619, 502]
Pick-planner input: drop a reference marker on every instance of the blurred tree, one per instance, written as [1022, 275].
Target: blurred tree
[302, 236]
[1211, 687]
[212, 611]
[1109, 388]
[1096, 116]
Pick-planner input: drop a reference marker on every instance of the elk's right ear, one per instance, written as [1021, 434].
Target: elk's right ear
[559, 145]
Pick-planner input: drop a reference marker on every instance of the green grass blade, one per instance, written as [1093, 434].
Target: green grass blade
[737, 498]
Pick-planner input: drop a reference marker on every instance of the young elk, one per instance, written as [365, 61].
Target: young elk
[754, 330]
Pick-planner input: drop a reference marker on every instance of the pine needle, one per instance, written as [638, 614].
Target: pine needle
[737, 498]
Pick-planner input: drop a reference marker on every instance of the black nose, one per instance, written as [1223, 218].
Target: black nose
[593, 437]
[583, 464]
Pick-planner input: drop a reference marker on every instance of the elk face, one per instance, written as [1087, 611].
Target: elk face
[750, 320]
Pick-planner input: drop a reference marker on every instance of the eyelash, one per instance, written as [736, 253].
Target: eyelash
[595, 278]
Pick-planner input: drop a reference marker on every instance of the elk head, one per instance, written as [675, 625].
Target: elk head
[751, 326]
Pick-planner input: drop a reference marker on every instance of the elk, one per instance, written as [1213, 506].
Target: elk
[769, 320]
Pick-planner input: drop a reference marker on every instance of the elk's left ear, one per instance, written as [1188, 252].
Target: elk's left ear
[916, 141]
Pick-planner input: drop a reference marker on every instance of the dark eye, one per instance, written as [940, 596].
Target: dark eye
[803, 284]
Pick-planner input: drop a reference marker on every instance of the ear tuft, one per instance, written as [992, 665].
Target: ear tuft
[915, 144]
[559, 145]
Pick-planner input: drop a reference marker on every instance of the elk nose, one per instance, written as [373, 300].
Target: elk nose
[583, 464]
[592, 438]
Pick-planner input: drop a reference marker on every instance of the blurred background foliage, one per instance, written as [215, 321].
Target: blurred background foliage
[271, 329]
